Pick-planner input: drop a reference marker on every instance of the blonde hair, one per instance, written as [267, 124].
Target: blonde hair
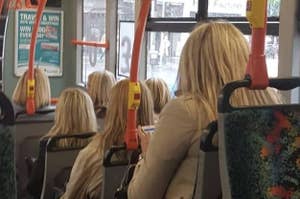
[116, 118]
[214, 54]
[74, 114]
[90, 177]
[42, 89]
[99, 86]
[160, 93]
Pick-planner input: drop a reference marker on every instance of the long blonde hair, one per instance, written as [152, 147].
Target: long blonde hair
[160, 93]
[74, 113]
[42, 89]
[99, 86]
[116, 118]
[214, 54]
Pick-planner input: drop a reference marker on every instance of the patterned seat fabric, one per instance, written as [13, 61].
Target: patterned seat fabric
[7, 163]
[260, 153]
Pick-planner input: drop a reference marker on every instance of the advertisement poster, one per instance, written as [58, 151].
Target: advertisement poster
[125, 47]
[49, 45]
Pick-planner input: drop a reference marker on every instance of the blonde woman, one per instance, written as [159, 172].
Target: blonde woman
[160, 94]
[99, 85]
[42, 90]
[214, 54]
[74, 114]
[86, 176]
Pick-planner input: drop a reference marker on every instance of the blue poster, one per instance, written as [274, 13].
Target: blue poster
[49, 45]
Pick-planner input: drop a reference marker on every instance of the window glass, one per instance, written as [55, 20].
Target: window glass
[237, 8]
[126, 14]
[126, 10]
[164, 52]
[174, 8]
[93, 58]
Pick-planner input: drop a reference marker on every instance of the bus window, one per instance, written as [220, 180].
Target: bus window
[93, 59]
[164, 51]
[236, 8]
[175, 8]
[163, 55]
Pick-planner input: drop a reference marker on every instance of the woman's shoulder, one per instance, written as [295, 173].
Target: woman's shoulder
[182, 102]
[93, 147]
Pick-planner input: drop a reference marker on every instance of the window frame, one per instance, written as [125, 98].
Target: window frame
[186, 24]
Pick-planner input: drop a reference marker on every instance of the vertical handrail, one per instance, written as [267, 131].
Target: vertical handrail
[30, 104]
[134, 89]
[29, 5]
[256, 67]
[1, 6]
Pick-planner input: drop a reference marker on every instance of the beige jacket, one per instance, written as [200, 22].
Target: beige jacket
[86, 176]
[169, 168]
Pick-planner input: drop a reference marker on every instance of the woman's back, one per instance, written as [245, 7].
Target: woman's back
[214, 54]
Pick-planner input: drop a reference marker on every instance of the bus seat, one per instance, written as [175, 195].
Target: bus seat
[259, 146]
[7, 160]
[28, 131]
[208, 184]
[113, 171]
[58, 159]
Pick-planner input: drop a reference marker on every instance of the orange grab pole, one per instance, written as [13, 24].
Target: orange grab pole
[29, 5]
[90, 43]
[256, 67]
[18, 4]
[30, 105]
[1, 6]
[134, 89]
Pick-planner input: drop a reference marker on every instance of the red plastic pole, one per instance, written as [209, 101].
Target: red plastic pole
[1, 6]
[131, 130]
[90, 43]
[30, 105]
[256, 67]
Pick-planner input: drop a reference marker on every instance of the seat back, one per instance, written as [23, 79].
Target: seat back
[28, 132]
[208, 184]
[113, 172]
[7, 160]
[58, 159]
[259, 147]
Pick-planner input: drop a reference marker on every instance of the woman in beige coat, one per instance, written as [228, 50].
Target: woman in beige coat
[74, 114]
[86, 176]
[214, 54]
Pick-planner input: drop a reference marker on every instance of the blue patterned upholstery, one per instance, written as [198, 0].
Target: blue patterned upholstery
[260, 152]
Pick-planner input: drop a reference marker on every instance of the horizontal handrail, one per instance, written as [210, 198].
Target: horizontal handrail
[90, 43]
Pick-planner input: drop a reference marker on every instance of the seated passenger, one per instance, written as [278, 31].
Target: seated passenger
[99, 86]
[160, 94]
[74, 114]
[214, 54]
[42, 91]
[86, 176]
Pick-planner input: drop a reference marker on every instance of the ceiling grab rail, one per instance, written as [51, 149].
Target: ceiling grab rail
[256, 66]
[30, 104]
[134, 92]
[90, 43]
